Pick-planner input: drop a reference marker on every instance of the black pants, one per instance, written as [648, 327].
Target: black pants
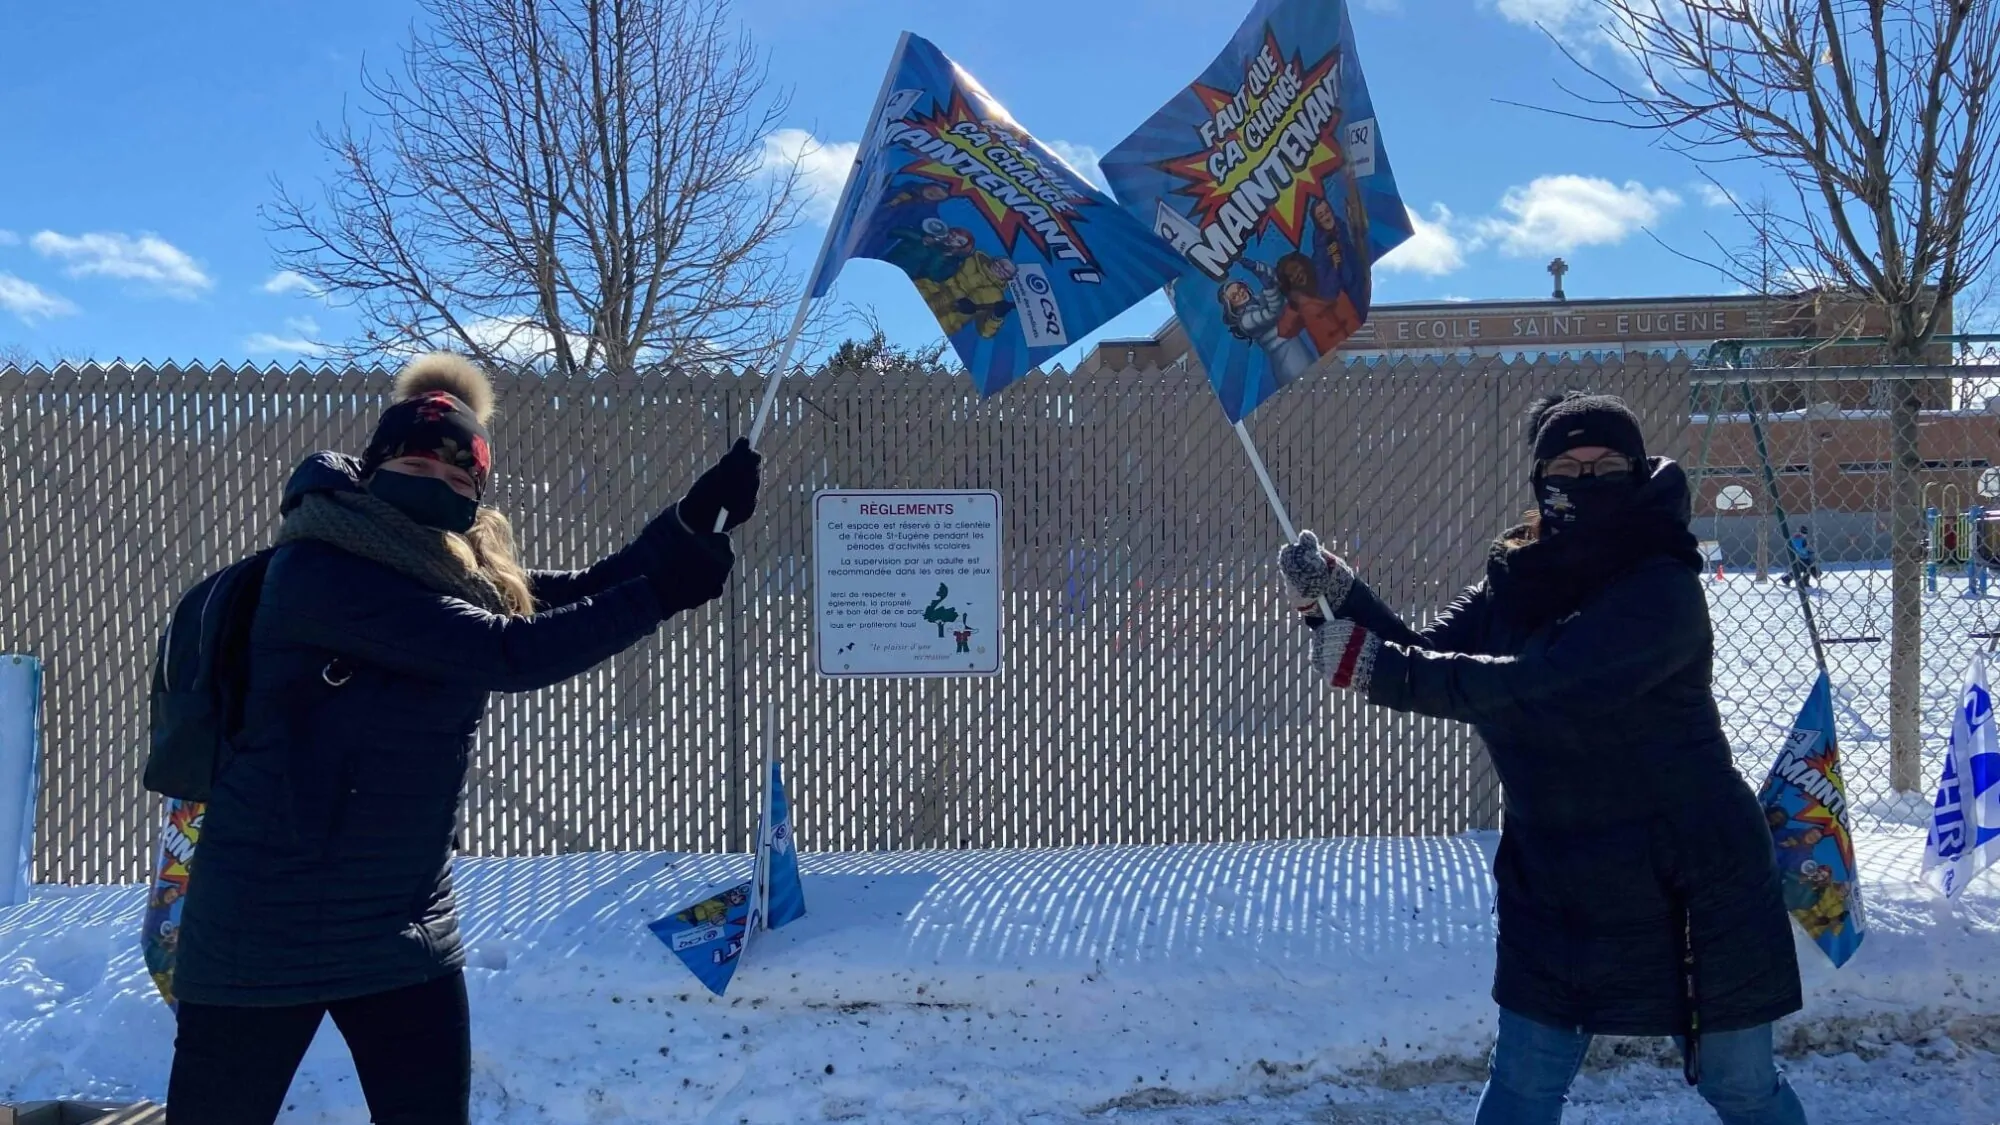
[412, 1050]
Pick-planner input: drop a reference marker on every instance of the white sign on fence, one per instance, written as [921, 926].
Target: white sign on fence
[906, 583]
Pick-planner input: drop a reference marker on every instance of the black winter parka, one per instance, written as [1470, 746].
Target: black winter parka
[323, 870]
[1628, 832]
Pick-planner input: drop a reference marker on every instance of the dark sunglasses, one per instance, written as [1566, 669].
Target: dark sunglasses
[1610, 467]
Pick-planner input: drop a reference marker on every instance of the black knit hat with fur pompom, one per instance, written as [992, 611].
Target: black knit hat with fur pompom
[438, 409]
[1558, 423]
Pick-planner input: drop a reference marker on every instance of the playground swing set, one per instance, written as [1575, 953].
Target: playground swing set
[1738, 499]
[1955, 535]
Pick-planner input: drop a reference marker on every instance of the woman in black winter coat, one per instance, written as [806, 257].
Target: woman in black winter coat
[1637, 891]
[390, 610]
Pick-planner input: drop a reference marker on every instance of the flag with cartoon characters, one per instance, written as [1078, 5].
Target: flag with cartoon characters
[160, 934]
[709, 936]
[1805, 804]
[712, 936]
[1965, 819]
[1269, 174]
[1016, 254]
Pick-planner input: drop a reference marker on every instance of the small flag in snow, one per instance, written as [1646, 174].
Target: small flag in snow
[1965, 824]
[780, 898]
[708, 937]
[712, 935]
[1805, 803]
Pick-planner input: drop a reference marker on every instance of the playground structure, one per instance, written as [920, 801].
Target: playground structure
[1956, 536]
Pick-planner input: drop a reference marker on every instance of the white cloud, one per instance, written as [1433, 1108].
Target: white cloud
[1552, 14]
[1713, 196]
[1582, 26]
[1576, 24]
[822, 167]
[301, 338]
[147, 258]
[1433, 250]
[268, 344]
[31, 302]
[291, 281]
[9, 238]
[1083, 158]
[518, 338]
[1797, 279]
[1557, 214]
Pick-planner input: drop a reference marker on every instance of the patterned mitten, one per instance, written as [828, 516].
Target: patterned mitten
[1315, 572]
[1343, 653]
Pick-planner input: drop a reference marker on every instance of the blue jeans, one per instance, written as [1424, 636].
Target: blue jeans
[1534, 1064]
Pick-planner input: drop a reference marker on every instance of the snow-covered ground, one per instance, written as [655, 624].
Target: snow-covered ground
[1933, 1085]
[1339, 981]
[1335, 981]
[1763, 665]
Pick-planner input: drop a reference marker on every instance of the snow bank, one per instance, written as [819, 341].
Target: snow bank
[966, 987]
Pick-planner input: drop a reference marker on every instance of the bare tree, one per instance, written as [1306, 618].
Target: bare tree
[576, 185]
[1877, 114]
[21, 358]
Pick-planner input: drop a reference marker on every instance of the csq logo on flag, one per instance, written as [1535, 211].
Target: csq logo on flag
[688, 939]
[708, 936]
[1041, 316]
[1015, 252]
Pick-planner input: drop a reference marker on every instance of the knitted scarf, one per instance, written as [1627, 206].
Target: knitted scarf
[361, 524]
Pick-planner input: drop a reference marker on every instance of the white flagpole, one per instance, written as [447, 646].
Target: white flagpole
[861, 152]
[759, 851]
[766, 816]
[1271, 494]
[1264, 478]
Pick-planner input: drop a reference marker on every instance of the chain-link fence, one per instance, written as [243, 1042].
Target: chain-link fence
[1797, 484]
[1153, 689]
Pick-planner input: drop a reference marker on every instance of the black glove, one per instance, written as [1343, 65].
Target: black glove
[690, 570]
[729, 485]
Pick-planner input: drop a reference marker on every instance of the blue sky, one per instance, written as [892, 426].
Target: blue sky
[141, 140]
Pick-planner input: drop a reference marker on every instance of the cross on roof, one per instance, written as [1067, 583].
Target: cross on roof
[1557, 269]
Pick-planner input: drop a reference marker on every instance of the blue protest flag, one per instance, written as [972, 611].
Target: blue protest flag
[1965, 820]
[1014, 251]
[709, 936]
[783, 897]
[20, 772]
[1805, 804]
[160, 930]
[1268, 172]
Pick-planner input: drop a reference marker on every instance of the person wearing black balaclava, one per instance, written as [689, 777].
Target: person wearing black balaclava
[391, 608]
[1637, 890]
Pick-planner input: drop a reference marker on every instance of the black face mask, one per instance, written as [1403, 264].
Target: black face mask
[1574, 502]
[427, 500]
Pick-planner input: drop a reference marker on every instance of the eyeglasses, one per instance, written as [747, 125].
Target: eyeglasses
[1610, 467]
